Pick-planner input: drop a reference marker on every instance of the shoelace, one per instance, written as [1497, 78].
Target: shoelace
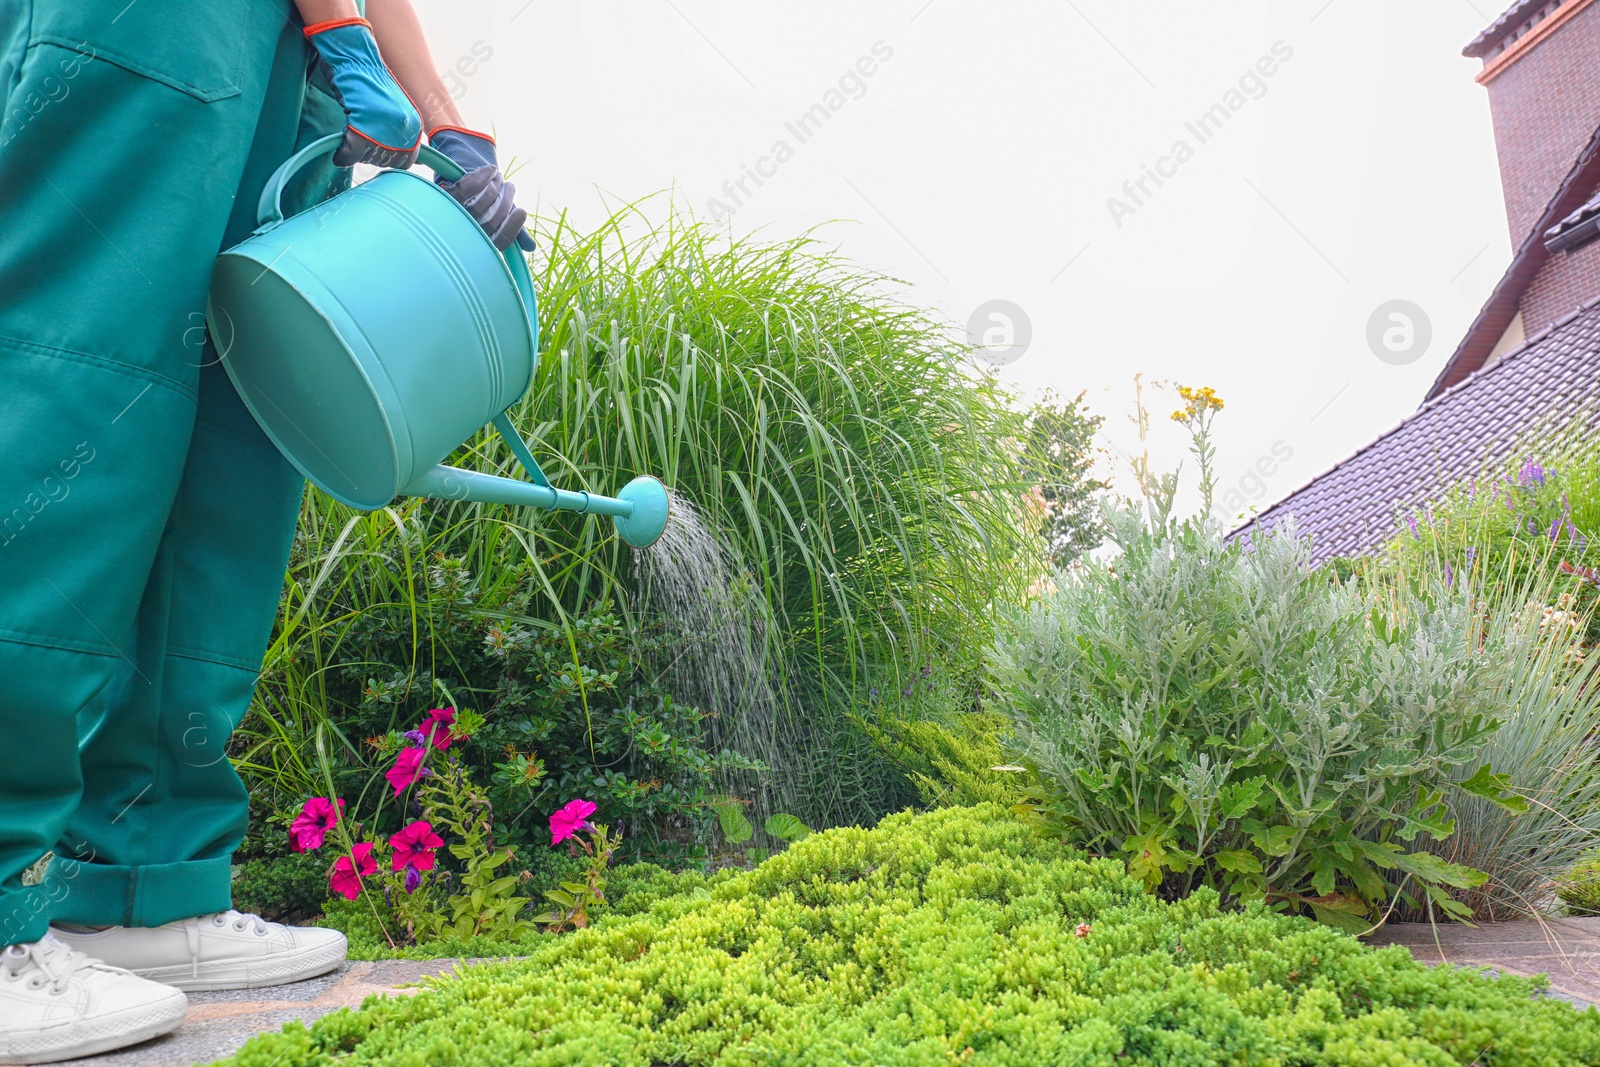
[55, 961]
[239, 920]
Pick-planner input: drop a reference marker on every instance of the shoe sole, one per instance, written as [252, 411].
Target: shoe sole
[107, 1033]
[249, 972]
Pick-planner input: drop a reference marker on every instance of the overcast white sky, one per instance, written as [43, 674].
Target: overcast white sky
[977, 159]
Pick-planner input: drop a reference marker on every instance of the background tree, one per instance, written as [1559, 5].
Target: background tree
[1060, 456]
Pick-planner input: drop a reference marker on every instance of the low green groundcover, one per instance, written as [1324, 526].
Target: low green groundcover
[955, 937]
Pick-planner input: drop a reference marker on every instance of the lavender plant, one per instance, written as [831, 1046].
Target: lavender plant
[1529, 523]
[1219, 715]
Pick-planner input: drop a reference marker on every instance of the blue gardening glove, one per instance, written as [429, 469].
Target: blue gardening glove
[483, 191]
[384, 127]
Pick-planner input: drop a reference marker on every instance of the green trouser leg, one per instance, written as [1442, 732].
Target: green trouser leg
[162, 808]
[144, 521]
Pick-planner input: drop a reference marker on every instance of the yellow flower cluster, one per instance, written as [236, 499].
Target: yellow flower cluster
[1196, 402]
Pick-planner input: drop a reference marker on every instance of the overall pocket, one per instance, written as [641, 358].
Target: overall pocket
[196, 48]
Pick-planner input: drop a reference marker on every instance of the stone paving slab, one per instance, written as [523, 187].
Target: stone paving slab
[1568, 950]
[218, 1023]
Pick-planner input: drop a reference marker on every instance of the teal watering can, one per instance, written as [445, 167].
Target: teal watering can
[374, 333]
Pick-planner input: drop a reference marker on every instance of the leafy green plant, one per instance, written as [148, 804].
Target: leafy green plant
[411, 897]
[484, 900]
[585, 704]
[574, 709]
[1579, 886]
[571, 901]
[1218, 715]
[287, 889]
[909, 944]
[786, 827]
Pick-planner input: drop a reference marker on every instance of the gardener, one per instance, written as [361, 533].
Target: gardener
[145, 522]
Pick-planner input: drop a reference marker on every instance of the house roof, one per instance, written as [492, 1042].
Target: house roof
[1505, 26]
[1506, 299]
[1572, 231]
[1351, 509]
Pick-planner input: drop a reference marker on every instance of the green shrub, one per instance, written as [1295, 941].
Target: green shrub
[952, 763]
[1219, 715]
[935, 732]
[1579, 886]
[568, 712]
[958, 936]
[286, 889]
[585, 703]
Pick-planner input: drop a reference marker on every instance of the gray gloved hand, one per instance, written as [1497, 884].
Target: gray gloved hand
[483, 191]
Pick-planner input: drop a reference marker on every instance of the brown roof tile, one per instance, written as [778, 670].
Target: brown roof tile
[1507, 24]
[1351, 509]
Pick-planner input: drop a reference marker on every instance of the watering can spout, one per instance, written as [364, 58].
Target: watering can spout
[640, 510]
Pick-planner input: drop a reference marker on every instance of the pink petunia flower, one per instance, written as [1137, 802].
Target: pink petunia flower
[407, 769]
[349, 870]
[569, 820]
[311, 826]
[413, 846]
[440, 722]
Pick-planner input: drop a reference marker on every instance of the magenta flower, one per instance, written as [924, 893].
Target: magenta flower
[569, 820]
[407, 769]
[440, 721]
[309, 828]
[413, 847]
[349, 870]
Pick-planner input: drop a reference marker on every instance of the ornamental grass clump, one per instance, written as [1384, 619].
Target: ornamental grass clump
[1219, 715]
[1548, 747]
[866, 481]
[960, 936]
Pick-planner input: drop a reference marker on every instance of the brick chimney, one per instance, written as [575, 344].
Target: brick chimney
[1541, 65]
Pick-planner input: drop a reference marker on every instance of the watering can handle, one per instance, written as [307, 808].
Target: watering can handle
[269, 211]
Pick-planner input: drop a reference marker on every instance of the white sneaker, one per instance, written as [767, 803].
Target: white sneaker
[228, 950]
[58, 1004]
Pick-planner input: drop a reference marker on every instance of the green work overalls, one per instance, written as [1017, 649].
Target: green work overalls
[145, 521]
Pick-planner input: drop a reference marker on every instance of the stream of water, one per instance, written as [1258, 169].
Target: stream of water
[718, 620]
